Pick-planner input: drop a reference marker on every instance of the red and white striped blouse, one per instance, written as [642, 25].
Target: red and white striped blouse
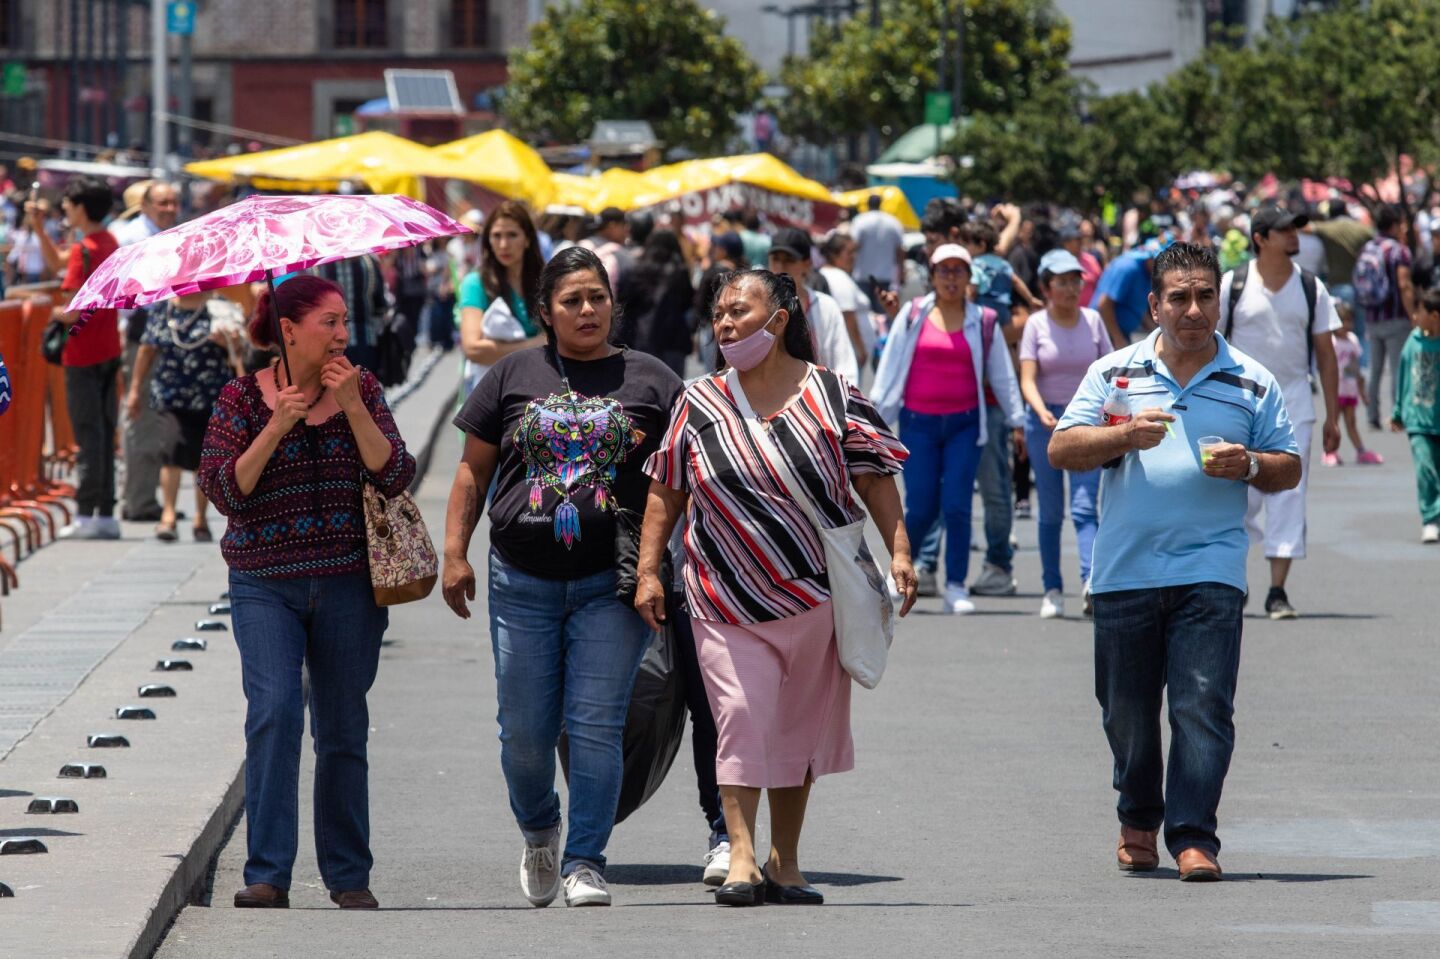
[752, 555]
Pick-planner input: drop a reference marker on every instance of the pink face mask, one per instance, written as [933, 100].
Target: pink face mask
[750, 352]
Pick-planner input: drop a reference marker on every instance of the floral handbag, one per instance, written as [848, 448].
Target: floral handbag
[403, 565]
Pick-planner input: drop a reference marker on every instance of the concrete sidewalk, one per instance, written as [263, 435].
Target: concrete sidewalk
[84, 632]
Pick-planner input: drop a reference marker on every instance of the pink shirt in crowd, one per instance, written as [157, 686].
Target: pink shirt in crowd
[1063, 356]
[1347, 360]
[942, 374]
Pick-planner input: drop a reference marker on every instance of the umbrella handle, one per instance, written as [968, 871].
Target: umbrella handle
[279, 333]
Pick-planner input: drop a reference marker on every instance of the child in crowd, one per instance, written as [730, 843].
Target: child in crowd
[1417, 410]
[1352, 390]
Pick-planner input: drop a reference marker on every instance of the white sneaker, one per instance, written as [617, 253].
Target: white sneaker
[1053, 605]
[540, 872]
[993, 581]
[106, 527]
[586, 887]
[717, 864]
[957, 600]
[1430, 533]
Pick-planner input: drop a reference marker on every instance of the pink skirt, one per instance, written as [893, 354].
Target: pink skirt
[781, 699]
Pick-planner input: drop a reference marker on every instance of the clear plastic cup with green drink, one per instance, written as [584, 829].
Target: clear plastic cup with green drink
[1207, 446]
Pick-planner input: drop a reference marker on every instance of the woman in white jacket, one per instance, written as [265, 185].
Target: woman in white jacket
[941, 365]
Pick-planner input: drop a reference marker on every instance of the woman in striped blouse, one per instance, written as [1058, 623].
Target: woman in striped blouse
[755, 579]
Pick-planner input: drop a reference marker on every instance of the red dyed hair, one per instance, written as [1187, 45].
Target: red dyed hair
[295, 298]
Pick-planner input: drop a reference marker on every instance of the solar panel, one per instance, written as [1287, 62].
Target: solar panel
[422, 91]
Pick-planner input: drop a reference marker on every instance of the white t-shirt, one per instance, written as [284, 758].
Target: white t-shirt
[1312, 254]
[879, 236]
[832, 340]
[850, 297]
[1270, 327]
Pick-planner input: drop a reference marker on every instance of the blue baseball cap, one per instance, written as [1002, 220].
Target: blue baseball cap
[1059, 261]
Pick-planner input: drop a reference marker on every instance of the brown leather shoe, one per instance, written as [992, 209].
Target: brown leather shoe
[355, 899]
[1136, 852]
[262, 896]
[1197, 865]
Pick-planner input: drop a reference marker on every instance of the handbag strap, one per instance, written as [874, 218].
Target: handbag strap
[788, 481]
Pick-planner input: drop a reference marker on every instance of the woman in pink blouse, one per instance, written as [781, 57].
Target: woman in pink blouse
[755, 579]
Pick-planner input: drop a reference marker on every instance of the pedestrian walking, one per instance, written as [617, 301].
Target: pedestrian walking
[1351, 391]
[880, 253]
[756, 579]
[362, 283]
[941, 352]
[655, 300]
[566, 429]
[609, 241]
[727, 254]
[1058, 346]
[1386, 297]
[1122, 295]
[839, 250]
[1283, 317]
[285, 458]
[509, 272]
[1418, 412]
[91, 357]
[790, 254]
[1168, 581]
[187, 355]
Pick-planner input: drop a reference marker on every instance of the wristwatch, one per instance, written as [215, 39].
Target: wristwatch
[1254, 469]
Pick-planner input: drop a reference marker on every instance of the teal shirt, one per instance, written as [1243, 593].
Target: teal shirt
[472, 293]
[1163, 522]
[1418, 384]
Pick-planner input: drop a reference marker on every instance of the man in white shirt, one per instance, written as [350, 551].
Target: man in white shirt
[159, 209]
[790, 254]
[880, 257]
[839, 253]
[1283, 317]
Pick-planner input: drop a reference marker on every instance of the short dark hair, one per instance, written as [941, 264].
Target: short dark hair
[1430, 300]
[91, 194]
[873, 201]
[835, 244]
[1182, 256]
[1388, 217]
[980, 232]
[943, 214]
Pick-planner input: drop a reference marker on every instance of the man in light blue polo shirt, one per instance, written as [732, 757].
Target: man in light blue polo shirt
[1169, 567]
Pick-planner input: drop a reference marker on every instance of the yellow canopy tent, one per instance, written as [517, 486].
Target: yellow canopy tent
[500, 163]
[892, 201]
[384, 162]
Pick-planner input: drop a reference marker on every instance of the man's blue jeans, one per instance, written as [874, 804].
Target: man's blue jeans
[1050, 485]
[566, 652]
[996, 482]
[332, 625]
[1182, 642]
[940, 479]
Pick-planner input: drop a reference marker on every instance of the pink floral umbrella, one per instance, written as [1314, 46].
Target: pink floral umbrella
[258, 238]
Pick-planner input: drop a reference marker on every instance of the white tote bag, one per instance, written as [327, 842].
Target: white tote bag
[864, 614]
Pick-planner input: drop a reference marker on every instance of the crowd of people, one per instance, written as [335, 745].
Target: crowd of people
[665, 424]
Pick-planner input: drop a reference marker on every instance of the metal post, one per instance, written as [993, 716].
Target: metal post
[92, 79]
[159, 86]
[122, 73]
[184, 133]
[74, 26]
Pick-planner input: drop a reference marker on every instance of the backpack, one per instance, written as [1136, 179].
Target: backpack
[1308, 284]
[1372, 275]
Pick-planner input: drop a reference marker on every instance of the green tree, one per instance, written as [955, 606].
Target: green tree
[858, 76]
[665, 61]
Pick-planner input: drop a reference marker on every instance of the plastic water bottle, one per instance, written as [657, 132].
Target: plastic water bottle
[1117, 405]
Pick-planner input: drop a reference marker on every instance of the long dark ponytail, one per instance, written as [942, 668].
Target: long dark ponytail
[781, 294]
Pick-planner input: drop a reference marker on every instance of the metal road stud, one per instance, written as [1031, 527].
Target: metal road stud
[52, 804]
[190, 644]
[107, 741]
[219, 609]
[82, 771]
[22, 846]
[174, 666]
[134, 712]
[211, 625]
[156, 690]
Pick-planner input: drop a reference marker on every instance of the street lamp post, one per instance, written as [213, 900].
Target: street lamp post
[159, 85]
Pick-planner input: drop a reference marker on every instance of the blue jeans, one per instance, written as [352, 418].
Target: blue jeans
[1050, 485]
[331, 625]
[940, 479]
[1183, 642]
[566, 652]
[997, 488]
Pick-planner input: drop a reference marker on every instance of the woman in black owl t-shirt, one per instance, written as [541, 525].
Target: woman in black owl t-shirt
[568, 427]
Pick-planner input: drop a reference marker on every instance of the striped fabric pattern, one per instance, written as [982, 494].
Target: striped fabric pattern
[753, 556]
[305, 517]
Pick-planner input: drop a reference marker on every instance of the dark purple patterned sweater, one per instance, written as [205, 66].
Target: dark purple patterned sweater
[305, 516]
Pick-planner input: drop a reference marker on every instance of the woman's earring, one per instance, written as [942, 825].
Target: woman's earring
[291, 342]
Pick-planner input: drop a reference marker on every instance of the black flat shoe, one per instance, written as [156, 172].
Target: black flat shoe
[791, 895]
[740, 894]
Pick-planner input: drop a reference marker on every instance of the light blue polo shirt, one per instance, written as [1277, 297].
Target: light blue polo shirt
[1163, 522]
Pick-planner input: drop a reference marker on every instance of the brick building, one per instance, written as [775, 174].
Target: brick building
[289, 68]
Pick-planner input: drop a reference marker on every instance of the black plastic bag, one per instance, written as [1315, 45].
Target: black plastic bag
[654, 725]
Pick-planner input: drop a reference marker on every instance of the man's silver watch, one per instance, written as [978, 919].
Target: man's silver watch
[1254, 469]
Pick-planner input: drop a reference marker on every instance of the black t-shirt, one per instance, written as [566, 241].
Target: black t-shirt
[567, 458]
